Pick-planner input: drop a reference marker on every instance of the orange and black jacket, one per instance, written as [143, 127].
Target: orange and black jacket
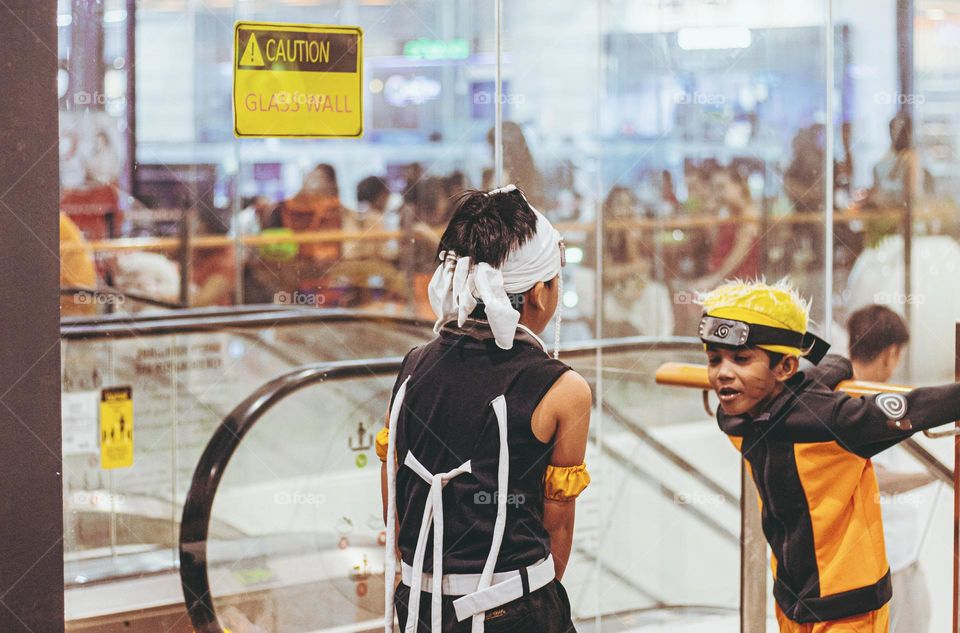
[809, 454]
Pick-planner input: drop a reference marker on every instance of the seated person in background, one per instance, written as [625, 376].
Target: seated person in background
[877, 338]
[808, 449]
[484, 414]
[77, 270]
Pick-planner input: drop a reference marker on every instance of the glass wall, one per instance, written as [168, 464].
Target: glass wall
[675, 144]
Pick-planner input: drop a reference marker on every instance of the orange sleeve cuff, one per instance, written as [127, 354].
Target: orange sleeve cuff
[383, 443]
[565, 483]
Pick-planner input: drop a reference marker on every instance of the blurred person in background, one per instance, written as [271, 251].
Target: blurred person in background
[213, 270]
[878, 336]
[376, 211]
[316, 207]
[425, 213]
[899, 167]
[736, 245]
[77, 269]
[368, 270]
[633, 302]
[304, 268]
[898, 176]
[518, 165]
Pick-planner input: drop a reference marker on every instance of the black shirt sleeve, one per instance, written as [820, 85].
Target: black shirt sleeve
[872, 424]
[831, 371]
[405, 367]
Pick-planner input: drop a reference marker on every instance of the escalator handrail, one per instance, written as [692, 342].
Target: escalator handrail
[195, 522]
[174, 323]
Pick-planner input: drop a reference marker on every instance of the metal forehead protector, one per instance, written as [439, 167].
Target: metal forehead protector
[724, 331]
[735, 333]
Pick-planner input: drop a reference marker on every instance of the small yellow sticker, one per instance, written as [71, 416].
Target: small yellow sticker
[297, 80]
[116, 427]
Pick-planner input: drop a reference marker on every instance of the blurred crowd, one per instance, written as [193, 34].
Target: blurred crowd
[665, 238]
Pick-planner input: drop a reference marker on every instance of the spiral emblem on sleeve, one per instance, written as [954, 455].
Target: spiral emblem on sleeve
[893, 405]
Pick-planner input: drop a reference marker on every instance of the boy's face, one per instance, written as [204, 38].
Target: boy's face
[742, 378]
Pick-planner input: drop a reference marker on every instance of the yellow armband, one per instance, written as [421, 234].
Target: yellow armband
[565, 483]
[383, 442]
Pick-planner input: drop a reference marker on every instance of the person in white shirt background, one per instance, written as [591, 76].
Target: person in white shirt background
[878, 336]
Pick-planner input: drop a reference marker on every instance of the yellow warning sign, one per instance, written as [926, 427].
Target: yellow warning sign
[116, 427]
[297, 80]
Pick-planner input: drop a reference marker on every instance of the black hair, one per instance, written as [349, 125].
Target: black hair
[487, 227]
[873, 329]
[371, 188]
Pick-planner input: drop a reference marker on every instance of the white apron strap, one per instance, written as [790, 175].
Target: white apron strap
[503, 474]
[390, 554]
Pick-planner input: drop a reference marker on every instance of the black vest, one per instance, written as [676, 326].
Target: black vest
[446, 419]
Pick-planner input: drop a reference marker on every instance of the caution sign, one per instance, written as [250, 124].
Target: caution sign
[297, 80]
[116, 427]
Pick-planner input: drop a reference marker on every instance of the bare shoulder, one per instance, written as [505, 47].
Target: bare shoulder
[570, 394]
[572, 388]
[569, 398]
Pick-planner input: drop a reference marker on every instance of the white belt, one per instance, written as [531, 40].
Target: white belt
[507, 586]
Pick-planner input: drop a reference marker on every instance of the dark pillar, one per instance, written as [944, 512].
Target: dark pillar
[31, 521]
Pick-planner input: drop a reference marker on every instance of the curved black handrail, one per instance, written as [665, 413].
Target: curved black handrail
[194, 527]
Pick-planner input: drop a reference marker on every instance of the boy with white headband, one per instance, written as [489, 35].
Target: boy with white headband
[486, 436]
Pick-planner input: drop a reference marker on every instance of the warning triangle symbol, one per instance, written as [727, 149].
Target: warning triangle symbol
[251, 55]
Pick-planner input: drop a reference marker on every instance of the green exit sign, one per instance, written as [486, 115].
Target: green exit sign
[426, 48]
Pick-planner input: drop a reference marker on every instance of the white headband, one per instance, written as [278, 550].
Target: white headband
[458, 282]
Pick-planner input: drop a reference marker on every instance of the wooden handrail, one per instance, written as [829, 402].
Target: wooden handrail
[695, 376]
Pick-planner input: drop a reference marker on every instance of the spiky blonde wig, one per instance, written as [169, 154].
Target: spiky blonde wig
[776, 305]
